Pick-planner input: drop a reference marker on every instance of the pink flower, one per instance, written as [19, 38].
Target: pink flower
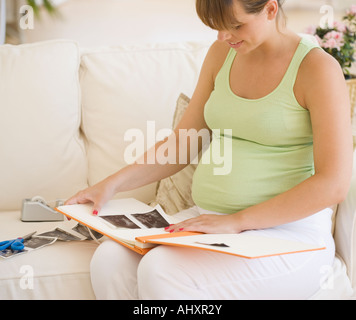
[330, 44]
[333, 40]
[340, 26]
[352, 10]
[334, 35]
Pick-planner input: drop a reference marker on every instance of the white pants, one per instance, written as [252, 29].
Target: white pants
[175, 273]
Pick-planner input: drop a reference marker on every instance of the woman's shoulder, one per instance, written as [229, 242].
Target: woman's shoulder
[318, 64]
[320, 73]
[219, 48]
[216, 56]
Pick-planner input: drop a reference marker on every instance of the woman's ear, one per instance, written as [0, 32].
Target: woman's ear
[272, 8]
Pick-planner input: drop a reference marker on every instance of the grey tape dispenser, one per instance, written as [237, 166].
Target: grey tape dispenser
[36, 209]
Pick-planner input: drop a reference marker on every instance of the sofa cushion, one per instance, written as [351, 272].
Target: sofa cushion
[41, 151]
[174, 193]
[335, 283]
[57, 271]
[345, 231]
[132, 87]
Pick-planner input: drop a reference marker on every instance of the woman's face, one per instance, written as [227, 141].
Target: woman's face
[248, 31]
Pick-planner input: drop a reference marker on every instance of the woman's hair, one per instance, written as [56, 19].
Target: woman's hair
[218, 14]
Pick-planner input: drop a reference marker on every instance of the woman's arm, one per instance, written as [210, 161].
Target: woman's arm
[144, 172]
[326, 96]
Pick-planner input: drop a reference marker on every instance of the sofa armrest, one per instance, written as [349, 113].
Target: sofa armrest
[345, 232]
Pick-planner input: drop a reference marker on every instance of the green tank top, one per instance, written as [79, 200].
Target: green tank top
[271, 143]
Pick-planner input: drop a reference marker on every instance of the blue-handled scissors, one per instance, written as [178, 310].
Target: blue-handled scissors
[15, 244]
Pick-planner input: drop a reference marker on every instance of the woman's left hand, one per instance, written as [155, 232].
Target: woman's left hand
[208, 223]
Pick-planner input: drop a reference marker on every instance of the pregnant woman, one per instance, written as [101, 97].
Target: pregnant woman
[286, 104]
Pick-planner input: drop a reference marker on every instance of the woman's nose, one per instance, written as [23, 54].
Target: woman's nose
[223, 35]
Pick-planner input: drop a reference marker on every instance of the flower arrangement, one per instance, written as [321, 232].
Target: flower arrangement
[339, 39]
[47, 4]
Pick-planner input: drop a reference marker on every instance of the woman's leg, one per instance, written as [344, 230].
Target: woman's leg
[113, 268]
[181, 273]
[113, 272]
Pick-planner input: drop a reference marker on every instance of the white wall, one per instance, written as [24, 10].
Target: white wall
[315, 4]
[112, 22]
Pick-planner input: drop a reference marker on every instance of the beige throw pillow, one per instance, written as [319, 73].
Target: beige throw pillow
[174, 194]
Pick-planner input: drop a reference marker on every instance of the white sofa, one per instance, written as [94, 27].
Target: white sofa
[64, 114]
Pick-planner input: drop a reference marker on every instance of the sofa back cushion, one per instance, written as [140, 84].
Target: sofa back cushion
[133, 88]
[345, 231]
[41, 151]
[174, 194]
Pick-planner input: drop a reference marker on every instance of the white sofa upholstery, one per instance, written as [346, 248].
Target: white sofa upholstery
[64, 114]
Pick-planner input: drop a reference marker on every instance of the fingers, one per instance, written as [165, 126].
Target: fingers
[187, 225]
[96, 208]
[174, 228]
[87, 196]
[207, 224]
[99, 201]
[70, 201]
[98, 195]
[79, 198]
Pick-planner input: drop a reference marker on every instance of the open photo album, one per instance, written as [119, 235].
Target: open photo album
[141, 227]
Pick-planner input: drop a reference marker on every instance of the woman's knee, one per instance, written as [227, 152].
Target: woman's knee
[163, 274]
[113, 271]
[107, 250]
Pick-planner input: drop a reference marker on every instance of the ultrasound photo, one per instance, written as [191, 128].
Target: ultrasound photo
[83, 230]
[120, 221]
[37, 242]
[151, 219]
[60, 235]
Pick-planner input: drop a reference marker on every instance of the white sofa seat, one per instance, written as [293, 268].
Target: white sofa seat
[58, 271]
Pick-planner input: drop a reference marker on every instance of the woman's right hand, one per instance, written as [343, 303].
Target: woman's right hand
[98, 194]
